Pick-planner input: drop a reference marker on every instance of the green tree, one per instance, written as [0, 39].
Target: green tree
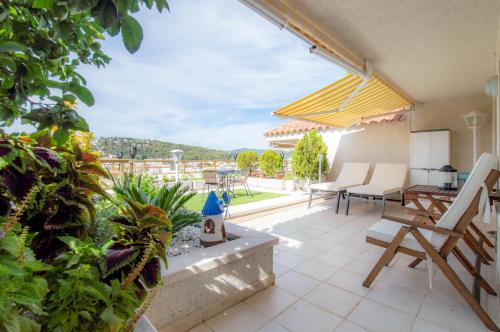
[42, 45]
[305, 161]
[59, 279]
[270, 162]
[247, 160]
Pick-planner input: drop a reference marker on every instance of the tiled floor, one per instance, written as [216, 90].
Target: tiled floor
[320, 264]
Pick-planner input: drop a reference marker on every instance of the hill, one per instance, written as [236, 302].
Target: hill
[152, 149]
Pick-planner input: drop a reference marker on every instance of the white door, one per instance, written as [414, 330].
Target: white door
[439, 149]
[419, 176]
[419, 150]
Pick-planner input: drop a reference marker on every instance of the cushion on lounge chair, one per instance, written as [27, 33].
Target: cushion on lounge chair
[389, 175]
[352, 174]
[386, 230]
[373, 190]
[329, 186]
[386, 179]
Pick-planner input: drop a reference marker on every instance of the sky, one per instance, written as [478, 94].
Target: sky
[208, 73]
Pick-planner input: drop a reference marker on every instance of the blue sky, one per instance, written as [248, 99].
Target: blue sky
[208, 73]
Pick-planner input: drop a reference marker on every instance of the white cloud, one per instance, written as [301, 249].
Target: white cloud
[208, 73]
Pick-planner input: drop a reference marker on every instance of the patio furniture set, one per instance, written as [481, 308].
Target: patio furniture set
[387, 179]
[439, 219]
[225, 180]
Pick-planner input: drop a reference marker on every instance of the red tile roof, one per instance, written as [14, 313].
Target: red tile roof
[296, 127]
[302, 126]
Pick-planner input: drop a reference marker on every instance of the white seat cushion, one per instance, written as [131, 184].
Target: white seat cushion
[330, 186]
[373, 190]
[385, 230]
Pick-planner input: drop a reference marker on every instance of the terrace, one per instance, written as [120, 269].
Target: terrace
[320, 264]
[415, 70]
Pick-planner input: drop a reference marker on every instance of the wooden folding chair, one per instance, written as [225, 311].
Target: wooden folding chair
[435, 242]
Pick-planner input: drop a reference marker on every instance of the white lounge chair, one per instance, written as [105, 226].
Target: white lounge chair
[352, 174]
[434, 243]
[387, 179]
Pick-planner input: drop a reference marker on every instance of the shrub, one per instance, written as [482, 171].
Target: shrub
[305, 161]
[247, 160]
[270, 163]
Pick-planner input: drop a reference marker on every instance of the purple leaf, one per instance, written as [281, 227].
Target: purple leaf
[48, 157]
[151, 273]
[17, 183]
[119, 255]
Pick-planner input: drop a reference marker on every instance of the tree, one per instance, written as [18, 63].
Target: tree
[42, 45]
[247, 160]
[270, 163]
[56, 276]
[305, 161]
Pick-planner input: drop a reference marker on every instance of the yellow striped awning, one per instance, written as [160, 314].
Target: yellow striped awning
[346, 101]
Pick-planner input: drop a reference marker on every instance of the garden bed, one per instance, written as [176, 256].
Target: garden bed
[204, 282]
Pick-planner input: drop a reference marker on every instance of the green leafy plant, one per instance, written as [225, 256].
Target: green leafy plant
[270, 163]
[305, 161]
[42, 44]
[22, 290]
[54, 275]
[169, 199]
[247, 160]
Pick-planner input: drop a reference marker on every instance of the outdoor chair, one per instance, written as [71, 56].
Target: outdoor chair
[240, 179]
[387, 179]
[211, 180]
[434, 243]
[352, 174]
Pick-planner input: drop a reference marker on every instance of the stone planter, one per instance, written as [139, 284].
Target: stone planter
[289, 185]
[203, 283]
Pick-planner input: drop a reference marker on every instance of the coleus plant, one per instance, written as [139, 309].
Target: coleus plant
[49, 187]
[144, 232]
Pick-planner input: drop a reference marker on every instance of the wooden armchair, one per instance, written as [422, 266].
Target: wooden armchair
[437, 241]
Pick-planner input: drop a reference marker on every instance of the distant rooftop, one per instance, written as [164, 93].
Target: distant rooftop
[302, 126]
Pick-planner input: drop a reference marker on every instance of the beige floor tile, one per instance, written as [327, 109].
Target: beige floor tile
[304, 316]
[241, 318]
[279, 270]
[306, 234]
[272, 326]
[424, 326]
[349, 281]
[333, 299]
[289, 260]
[454, 318]
[333, 259]
[361, 267]
[397, 297]
[321, 243]
[271, 301]
[296, 283]
[316, 270]
[411, 279]
[348, 250]
[306, 251]
[200, 328]
[379, 318]
[347, 326]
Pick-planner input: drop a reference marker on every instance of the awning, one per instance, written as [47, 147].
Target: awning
[346, 101]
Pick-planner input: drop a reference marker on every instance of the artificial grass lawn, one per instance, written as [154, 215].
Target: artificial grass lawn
[196, 203]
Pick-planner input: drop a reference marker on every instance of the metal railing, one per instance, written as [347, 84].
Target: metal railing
[189, 169]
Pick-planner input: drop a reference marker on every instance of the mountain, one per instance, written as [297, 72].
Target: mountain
[154, 149]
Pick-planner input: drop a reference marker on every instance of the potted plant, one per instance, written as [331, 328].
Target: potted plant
[305, 161]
